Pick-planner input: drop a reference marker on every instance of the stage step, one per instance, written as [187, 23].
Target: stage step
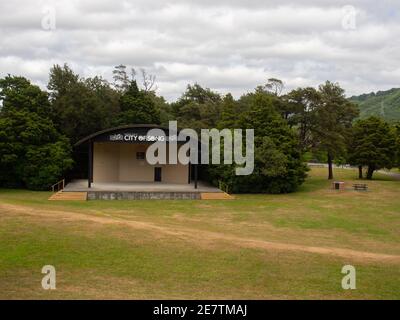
[69, 196]
[129, 195]
[216, 196]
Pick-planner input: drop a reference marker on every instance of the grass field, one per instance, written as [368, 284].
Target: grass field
[255, 247]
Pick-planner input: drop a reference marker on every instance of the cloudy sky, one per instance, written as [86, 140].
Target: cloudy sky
[226, 45]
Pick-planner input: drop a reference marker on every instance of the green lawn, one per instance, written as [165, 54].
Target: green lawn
[237, 249]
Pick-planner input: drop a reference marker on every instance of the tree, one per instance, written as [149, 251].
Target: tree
[300, 112]
[278, 165]
[32, 153]
[17, 93]
[163, 108]
[81, 106]
[397, 132]
[372, 144]
[230, 110]
[46, 164]
[62, 78]
[148, 81]
[137, 106]
[121, 78]
[196, 93]
[197, 108]
[275, 86]
[334, 116]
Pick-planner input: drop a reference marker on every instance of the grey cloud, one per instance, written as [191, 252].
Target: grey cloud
[228, 45]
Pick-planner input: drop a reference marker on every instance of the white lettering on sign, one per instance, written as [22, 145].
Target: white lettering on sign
[130, 137]
[133, 137]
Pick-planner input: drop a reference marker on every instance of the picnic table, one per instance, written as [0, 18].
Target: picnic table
[360, 187]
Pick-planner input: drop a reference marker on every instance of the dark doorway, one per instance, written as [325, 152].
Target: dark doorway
[157, 174]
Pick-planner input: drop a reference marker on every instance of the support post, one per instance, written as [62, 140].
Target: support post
[330, 165]
[91, 174]
[189, 173]
[195, 176]
[90, 163]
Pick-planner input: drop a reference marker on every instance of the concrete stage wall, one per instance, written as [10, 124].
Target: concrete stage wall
[117, 162]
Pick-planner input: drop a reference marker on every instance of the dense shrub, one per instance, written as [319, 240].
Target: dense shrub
[278, 165]
[32, 153]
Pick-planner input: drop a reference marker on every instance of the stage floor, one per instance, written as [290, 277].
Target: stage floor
[81, 186]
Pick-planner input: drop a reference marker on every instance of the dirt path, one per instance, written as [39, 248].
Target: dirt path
[200, 237]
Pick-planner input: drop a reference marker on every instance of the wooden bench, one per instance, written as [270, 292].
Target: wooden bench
[360, 187]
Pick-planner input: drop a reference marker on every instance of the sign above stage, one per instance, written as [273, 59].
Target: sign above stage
[134, 137]
[135, 134]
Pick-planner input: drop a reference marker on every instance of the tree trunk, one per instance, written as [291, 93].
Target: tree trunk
[370, 172]
[360, 173]
[330, 177]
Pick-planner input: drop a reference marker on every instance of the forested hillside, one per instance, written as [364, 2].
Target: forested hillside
[384, 104]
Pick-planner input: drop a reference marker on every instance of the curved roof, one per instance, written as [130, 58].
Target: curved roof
[131, 126]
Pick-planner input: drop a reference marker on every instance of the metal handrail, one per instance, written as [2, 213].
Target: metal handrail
[62, 182]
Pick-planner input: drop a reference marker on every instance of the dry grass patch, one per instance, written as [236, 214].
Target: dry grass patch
[257, 246]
